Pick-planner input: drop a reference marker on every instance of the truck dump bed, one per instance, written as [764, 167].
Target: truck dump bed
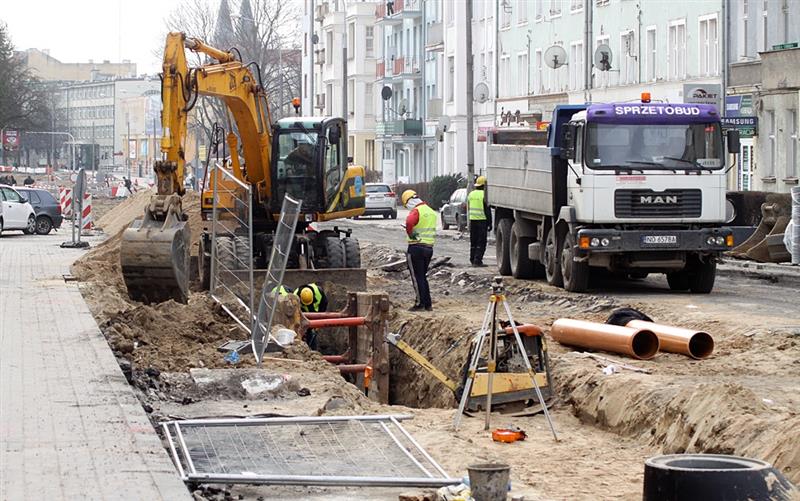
[520, 177]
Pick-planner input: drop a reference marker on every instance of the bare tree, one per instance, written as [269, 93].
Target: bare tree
[264, 32]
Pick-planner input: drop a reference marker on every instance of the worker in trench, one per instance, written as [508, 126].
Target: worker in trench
[480, 221]
[312, 299]
[420, 235]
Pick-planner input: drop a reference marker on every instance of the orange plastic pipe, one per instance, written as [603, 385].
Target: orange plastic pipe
[696, 344]
[637, 343]
[352, 368]
[525, 330]
[336, 322]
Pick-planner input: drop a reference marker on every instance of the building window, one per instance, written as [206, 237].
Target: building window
[709, 46]
[651, 54]
[505, 14]
[351, 40]
[677, 49]
[450, 10]
[792, 145]
[369, 40]
[627, 58]
[505, 77]
[769, 165]
[575, 6]
[522, 11]
[764, 27]
[743, 29]
[538, 75]
[538, 10]
[576, 69]
[329, 48]
[600, 3]
[368, 100]
[477, 9]
[351, 96]
[555, 8]
[523, 74]
[451, 71]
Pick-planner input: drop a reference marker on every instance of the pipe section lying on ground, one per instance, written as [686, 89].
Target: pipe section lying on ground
[696, 344]
[637, 343]
[336, 322]
[525, 330]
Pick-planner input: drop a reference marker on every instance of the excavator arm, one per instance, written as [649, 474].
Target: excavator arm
[154, 253]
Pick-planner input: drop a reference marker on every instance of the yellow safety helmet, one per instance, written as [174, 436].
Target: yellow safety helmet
[406, 196]
[481, 181]
[306, 296]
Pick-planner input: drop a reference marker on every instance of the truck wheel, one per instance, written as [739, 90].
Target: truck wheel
[226, 255]
[204, 266]
[501, 246]
[575, 274]
[334, 249]
[352, 253]
[678, 280]
[445, 226]
[521, 265]
[552, 263]
[702, 276]
[244, 256]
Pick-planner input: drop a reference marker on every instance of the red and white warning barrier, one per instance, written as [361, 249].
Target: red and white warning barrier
[65, 200]
[86, 216]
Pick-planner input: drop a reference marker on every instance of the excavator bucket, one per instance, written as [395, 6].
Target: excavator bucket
[154, 256]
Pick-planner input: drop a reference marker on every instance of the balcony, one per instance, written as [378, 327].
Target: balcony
[319, 56]
[434, 108]
[407, 127]
[403, 9]
[398, 66]
[380, 69]
[435, 38]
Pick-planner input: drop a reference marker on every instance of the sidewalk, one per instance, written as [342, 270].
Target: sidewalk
[70, 425]
[783, 274]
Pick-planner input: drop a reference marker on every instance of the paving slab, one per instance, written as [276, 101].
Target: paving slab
[70, 425]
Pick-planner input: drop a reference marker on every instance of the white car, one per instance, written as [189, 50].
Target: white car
[16, 213]
[381, 200]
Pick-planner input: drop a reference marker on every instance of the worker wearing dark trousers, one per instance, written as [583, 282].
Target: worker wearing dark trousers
[480, 221]
[421, 235]
[312, 299]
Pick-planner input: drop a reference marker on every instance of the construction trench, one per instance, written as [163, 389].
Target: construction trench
[742, 400]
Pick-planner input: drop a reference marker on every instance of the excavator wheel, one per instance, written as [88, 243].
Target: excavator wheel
[244, 256]
[154, 257]
[352, 252]
[226, 254]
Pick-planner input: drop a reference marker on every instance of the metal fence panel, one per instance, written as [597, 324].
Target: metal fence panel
[281, 246]
[330, 450]
[231, 243]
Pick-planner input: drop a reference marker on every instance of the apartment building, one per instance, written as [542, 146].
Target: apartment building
[335, 84]
[549, 48]
[45, 67]
[763, 97]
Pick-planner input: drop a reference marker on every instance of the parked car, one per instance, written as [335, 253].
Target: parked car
[46, 207]
[15, 211]
[381, 200]
[454, 211]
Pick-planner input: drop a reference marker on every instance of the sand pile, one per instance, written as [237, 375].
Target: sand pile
[121, 216]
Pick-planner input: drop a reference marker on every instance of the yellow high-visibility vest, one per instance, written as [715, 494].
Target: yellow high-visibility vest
[475, 204]
[426, 227]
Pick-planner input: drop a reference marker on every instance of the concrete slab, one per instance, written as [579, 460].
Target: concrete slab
[70, 425]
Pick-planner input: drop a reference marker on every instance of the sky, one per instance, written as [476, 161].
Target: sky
[79, 30]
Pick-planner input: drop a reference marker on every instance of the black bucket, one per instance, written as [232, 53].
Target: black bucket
[713, 477]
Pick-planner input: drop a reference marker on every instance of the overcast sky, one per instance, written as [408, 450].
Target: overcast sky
[79, 30]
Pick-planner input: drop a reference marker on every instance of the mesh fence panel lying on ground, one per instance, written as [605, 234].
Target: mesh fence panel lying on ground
[334, 450]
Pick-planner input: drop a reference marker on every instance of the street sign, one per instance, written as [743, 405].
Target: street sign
[747, 126]
[10, 139]
[784, 46]
[739, 106]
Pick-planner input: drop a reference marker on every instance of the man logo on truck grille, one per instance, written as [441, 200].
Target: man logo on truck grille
[653, 200]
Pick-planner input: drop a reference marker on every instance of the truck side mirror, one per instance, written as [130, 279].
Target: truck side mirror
[734, 143]
[567, 143]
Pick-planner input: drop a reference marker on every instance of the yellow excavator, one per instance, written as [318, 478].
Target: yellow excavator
[303, 157]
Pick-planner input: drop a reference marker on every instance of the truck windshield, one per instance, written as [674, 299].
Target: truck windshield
[654, 147]
[295, 170]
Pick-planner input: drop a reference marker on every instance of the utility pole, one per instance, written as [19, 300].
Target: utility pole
[470, 100]
[128, 149]
[311, 95]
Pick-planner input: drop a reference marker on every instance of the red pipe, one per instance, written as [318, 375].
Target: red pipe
[336, 322]
[336, 359]
[525, 330]
[352, 368]
[313, 315]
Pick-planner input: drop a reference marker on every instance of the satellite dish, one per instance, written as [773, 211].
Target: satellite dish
[444, 122]
[555, 57]
[481, 92]
[403, 107]
[386, 93]
[603, 57]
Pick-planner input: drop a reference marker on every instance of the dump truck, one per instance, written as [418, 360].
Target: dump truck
[633, 188]
[302, 157]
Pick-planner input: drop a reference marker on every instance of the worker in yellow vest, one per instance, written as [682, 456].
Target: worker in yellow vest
[312, 299]
[480, 221]
[420, 235]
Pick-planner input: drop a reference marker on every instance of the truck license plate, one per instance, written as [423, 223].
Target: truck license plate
[659, 240]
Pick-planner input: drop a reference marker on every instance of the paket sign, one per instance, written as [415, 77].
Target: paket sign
[702, 94]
